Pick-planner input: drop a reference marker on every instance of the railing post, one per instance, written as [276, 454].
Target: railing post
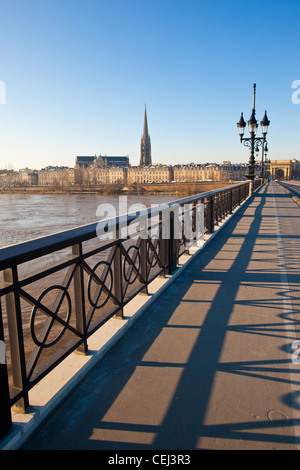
[144, 264]
[193, 225]
[251, 191]
[5, 413]
[79, 299]
[118, 282]
[163, 244]
[211, 214]
[230, 201]
[216, 206]
[173, 245]
[145, 222]
[223, 208]
[16, 340]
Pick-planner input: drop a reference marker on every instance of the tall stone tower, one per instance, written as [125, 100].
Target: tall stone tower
[145, 158]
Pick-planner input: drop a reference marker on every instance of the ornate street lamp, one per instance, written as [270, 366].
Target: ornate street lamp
[254, 142]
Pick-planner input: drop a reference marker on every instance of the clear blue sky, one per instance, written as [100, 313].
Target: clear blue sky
[79, 72]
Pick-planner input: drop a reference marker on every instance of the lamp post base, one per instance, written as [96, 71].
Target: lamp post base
[251, 174]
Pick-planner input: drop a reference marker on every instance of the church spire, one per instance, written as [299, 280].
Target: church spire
[145, 158]
[145, 123]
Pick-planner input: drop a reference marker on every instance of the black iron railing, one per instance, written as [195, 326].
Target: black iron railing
[57, 290]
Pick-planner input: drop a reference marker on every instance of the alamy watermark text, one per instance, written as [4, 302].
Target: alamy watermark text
[296, 93]
[138, 221]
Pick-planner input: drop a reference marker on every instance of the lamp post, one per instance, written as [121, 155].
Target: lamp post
[264, 160]
[253, 142]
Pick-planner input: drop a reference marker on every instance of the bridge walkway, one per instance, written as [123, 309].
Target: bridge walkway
[212, 364]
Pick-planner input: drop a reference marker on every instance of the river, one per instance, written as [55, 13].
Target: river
[27, 216]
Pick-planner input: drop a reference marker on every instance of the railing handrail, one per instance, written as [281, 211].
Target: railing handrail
[26, 251]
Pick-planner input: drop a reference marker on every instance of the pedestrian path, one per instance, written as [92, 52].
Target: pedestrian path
[212, 364]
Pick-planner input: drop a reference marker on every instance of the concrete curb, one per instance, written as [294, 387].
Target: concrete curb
[295, 198]
[25, 425]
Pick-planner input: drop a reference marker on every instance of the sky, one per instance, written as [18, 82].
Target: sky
[75, 76]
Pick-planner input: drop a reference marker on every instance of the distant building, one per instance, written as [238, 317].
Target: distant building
[27, 177]
[101, 161]
[56, 176]
[114, 161]
[84, 162]
[33, 178]
[285, 169]
[23, 177]
[192, 172]
[149, 174]
[145, 158]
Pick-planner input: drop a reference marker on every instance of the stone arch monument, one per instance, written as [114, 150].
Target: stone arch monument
[284, 170]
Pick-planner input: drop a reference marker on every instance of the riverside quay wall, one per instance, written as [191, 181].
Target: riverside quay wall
[146, 188]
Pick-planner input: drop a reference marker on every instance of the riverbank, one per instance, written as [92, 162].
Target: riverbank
[147, 188]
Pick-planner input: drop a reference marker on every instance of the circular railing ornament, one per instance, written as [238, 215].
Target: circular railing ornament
[96, 279]
[137, 263]
[50, 320]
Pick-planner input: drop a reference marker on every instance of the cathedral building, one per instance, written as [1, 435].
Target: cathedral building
[145, 159]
